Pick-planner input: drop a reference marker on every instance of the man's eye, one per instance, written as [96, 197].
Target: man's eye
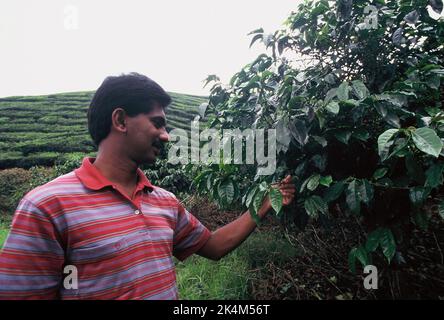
[158, 123]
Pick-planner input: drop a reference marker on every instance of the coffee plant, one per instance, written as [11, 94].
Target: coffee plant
[354, 91]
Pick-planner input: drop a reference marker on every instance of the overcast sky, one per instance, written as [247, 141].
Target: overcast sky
[51, 46]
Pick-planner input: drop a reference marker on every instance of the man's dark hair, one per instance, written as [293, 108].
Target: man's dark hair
[135, 93]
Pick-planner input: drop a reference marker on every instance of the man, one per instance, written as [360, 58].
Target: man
[104, 225]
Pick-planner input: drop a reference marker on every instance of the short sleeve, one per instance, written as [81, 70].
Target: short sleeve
[189, 235]
[32, 258]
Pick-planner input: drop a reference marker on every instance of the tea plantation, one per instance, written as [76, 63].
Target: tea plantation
[39, 130]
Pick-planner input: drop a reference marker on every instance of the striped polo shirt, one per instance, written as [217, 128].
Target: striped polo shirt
[121, 247]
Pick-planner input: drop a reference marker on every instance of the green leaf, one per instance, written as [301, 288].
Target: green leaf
[361, 134]
[379, 173]
[321, 119]
[351, 103]
[320, 161]
[263, 186]
[255, 38]
[343, 91]
[300, 169]
[397, 37]
[343, 136]
[387, 242]
[373, 240]
[381, 108]
[352, 197]
[358, 253]
[362, 256]
[250, 196]
[314, 205]
[326, 181]
[334, 192]
[283, 135]
[412, 17]
[330, 95]
[383, 142]
[226, 191]
[360, 90]
[352, 260]
[321, 140]
[332, 107]
[211, 181]
[434, 176]
[304, 184]
[299, 131]
[418, 195]
[365, 191]
[427, 141]
[392, 119]
[313, 182]
[202, 108]
[257, 201]
[400, 148]
[276, 199]
[441, 209]
[260, 30]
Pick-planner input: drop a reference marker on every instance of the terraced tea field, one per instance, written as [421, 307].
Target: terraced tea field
[38, 130]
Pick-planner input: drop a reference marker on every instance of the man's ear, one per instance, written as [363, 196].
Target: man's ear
[118, 120]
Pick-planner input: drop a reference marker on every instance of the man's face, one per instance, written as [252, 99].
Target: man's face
[146, 134]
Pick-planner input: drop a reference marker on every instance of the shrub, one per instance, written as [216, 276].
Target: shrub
[358, 117]
[13, 184]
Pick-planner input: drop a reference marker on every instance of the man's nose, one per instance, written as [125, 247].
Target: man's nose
[164, 137]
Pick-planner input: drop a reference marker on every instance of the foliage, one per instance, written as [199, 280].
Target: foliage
[4, 231]
[12, 185]
[170, 177]
[355, 96]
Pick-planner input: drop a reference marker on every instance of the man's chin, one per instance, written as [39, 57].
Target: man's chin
[149, 160]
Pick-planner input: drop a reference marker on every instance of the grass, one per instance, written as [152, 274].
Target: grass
[4, 230]
[202, 279]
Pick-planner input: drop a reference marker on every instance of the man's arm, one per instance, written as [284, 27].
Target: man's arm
[229, 237]
[32, 259]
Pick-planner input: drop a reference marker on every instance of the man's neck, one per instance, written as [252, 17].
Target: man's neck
[116, 169]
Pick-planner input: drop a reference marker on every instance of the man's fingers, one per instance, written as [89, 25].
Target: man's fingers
[287, 179]
[287, 187]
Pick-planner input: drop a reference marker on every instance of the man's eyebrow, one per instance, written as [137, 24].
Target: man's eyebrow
[159, 120]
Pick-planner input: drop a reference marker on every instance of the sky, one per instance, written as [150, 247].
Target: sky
[54, 46]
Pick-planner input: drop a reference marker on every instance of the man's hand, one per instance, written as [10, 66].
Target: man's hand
[227, 238]
[287, 188]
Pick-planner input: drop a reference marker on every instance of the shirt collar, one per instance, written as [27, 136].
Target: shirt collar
[93, 179]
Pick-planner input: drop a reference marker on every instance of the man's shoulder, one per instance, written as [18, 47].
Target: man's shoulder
[162, 193]
[61, 186]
